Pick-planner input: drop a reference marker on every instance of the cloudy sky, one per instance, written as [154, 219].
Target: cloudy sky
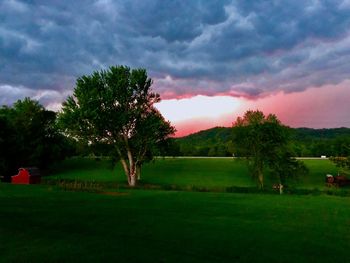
[210, 60]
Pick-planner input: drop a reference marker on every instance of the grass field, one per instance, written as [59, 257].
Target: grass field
[204, 172]
[44, 224]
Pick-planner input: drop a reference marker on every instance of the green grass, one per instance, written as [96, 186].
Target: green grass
[209, 173]
[317, 171]
[43, 224]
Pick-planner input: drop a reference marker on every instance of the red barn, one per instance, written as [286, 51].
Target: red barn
[29, 175]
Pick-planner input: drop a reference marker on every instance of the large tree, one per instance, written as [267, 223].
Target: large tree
[264, 141]
[116, 107]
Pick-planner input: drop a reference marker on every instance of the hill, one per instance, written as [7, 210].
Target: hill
[305, 142]
[212, 142]
[315, 134]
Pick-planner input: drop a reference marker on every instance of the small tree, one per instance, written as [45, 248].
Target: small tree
[264, 141]
[116, 107]
[343, 163]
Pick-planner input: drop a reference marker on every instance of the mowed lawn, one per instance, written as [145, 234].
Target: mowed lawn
[44, 224]
[210, 173]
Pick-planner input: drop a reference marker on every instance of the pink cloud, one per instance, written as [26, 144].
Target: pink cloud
[326, 107]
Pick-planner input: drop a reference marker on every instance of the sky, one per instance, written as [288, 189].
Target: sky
[209, 60]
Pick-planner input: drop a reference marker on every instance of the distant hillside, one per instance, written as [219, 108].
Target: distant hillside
[213, 135]
[211, 142]
[305, 142]
[308, 133]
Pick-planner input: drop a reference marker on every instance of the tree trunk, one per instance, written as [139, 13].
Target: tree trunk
[127, 171]
[132, 178]
[132, 167]
[258, 172]
[130, 171]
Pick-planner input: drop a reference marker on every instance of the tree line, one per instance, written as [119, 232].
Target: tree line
[112, 112]
[304, 142]
[29, 137]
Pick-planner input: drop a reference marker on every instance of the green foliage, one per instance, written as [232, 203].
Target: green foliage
[343, 163]
[212, 142]
[8, 145]
[115, 107]
[304, 142]
[264, 141]
[285, 168]
[316, 142]
[28, 137]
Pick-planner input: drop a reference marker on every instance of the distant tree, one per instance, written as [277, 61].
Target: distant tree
[116, 107]
[341, 146]
[170, 148]
[264, 141]
[343, 163]
[212, 152]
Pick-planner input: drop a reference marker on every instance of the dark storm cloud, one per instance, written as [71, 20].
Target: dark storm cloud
[245, 48]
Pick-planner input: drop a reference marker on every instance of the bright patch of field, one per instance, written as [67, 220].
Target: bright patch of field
[318, 168]
[43, 224]
[210, 173]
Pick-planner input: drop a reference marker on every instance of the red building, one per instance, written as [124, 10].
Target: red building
[29, 175]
